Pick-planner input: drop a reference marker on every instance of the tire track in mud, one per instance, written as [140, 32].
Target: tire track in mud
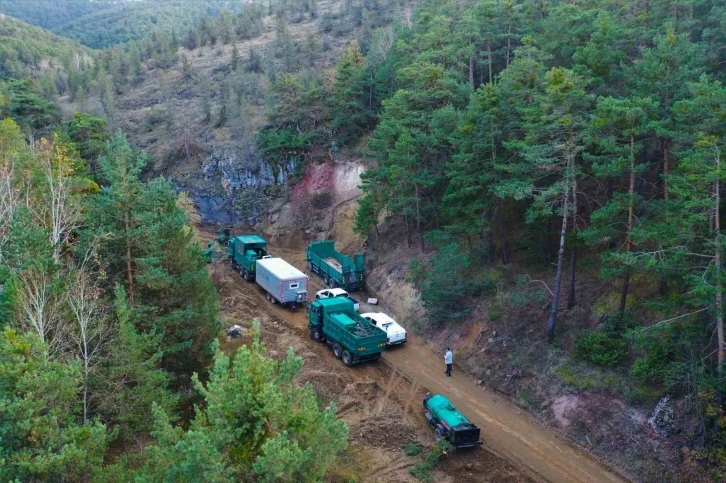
[378, 401]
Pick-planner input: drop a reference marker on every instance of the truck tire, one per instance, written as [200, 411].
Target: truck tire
[347, 358]
[334, 283]
[245, 275]
[310, 266]
[337, 350]
[438, 434]
[326, 279]
[316, 335]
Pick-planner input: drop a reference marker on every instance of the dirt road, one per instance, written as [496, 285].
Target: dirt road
[506, 430]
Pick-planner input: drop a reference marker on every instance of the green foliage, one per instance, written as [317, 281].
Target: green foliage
[256, 423]
[142, 232]
[424, 471]
[412, 448]
[448, 284]
[40, 436]
[28, 108]
[601, 348]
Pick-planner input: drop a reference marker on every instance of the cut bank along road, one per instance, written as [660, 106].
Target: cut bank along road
[506, 432]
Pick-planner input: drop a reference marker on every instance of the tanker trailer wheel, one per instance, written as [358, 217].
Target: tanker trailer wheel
[347, 358]
[337, 350]
[326, 279]
[438, 434]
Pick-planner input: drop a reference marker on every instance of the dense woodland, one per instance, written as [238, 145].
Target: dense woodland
[564, 139]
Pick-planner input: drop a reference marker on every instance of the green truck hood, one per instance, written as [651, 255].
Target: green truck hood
[442, 408]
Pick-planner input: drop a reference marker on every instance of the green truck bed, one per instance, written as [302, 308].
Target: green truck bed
[337, 270]
[353, 338]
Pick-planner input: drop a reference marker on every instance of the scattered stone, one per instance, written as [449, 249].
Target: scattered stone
[373, 301]
[663, 418]
[236, 332]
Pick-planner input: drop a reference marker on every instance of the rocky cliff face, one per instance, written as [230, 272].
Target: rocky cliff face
[236, 185]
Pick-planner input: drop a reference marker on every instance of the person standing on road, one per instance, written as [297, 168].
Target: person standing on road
[449, 361]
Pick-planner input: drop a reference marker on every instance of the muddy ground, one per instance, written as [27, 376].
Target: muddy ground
[380, 405]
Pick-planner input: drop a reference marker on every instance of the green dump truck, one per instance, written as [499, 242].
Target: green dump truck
[352, 338]
[449, 423]
[244, 251]
[337, 270]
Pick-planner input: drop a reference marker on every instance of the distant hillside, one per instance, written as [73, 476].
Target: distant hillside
[103, 24]
[28, 51]
[53, 13]
[201, 109]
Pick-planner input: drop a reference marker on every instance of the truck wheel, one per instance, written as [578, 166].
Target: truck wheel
[310, 266]
[438, 434]
[347, 358]
[334, 283]
[315, 335]
[245, 275]
[326, 279]
[337, 351]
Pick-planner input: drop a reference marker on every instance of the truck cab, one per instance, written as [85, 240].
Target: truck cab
[244, 251]
[352, 338]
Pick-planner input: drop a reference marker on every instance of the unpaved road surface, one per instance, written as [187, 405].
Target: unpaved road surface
[516, 448]
[506, 430]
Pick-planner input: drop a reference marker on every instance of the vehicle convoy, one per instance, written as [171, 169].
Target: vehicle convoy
[337, 292]
[449, 423]
[337, 270]
[395, 333]
[244, 251]
[352, 338]
[282, 282]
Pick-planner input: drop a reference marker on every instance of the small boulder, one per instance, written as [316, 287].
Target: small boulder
[663, 418]
[235, 332]
[373, 301]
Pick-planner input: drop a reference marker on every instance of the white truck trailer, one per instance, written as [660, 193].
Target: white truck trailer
[282, 282]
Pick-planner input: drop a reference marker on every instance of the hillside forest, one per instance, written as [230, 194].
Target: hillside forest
[553, 167]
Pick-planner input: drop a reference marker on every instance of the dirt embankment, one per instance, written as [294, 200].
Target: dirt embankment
[382, 402]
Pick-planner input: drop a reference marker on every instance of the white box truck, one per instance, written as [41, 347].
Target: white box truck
[282, 282]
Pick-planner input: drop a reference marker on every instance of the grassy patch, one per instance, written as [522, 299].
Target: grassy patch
[412, 448]
[351, 466]
[424, 471]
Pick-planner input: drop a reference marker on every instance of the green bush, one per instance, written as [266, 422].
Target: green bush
[424, 471]
[601, 349]
[416, 272]
[412, 448]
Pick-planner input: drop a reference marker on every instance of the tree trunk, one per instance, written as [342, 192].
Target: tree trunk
[719, 292]
[129, 269]
[492, 249]
[502, 235]
[509, 44]
[631, 216]
[489, 56]
[666, 160]
[418, 220]
[573, 256]
[573, 268]
[551, 321]
[408, 231]
[471, 71]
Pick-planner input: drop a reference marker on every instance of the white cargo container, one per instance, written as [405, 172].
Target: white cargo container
[282, 282]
